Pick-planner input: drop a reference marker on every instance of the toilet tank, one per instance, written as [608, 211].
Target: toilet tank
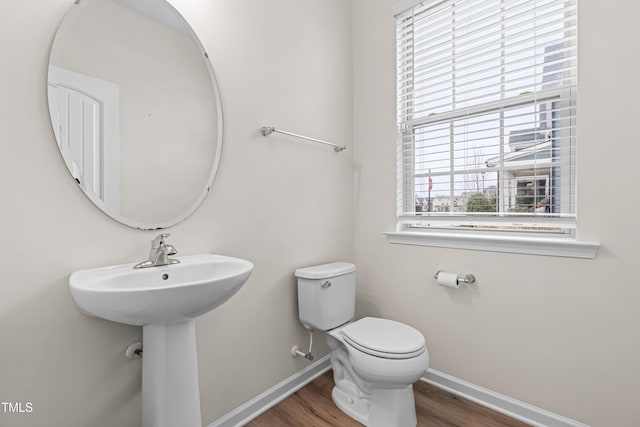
[326, 295]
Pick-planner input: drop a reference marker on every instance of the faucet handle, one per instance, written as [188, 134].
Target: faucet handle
[171, 250]
[159, 240]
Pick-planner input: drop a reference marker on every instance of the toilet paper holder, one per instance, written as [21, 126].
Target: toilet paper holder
[469, 279]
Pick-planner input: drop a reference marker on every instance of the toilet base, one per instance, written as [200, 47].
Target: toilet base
[384, 408]
[358, 409]
[393, 407]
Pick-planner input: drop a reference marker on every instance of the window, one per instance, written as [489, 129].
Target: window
[486, 116]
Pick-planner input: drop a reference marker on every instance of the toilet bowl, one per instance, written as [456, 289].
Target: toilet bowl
[385, 351]
[375, 361]
[374, 371]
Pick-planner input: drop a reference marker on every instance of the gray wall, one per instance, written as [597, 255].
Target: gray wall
[558, 333]
[277, 202]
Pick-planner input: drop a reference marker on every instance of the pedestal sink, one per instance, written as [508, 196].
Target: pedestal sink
[164, 300]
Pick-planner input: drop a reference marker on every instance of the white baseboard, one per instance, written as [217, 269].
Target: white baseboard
[274, 395]
[505, 405]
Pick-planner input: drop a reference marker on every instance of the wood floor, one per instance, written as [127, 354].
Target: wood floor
[312, 406]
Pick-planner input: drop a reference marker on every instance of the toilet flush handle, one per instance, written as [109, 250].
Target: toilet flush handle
[326, 285]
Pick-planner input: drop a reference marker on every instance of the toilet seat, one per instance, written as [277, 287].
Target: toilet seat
[384, 338]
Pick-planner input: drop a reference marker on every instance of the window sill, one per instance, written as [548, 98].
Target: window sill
[559, 247]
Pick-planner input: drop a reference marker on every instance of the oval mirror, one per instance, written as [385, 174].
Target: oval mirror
[135, 109]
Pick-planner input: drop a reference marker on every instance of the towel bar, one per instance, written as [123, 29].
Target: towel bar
[268, 130]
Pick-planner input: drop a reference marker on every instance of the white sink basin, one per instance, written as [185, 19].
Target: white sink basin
[164, 294]
[163, 300]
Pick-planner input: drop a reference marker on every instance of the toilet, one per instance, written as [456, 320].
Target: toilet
[375, 361]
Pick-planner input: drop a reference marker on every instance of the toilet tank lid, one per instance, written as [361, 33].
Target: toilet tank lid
[325, 270]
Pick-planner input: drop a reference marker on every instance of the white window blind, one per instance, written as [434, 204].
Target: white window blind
[486, 115]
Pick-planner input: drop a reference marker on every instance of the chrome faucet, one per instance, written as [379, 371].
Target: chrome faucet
[159, 253]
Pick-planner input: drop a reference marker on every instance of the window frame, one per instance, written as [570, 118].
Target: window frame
[565, 223]
[554, 234]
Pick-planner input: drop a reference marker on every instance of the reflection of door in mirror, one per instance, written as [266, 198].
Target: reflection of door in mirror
[86, 121]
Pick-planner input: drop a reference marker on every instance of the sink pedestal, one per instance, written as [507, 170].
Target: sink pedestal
[170, 391]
